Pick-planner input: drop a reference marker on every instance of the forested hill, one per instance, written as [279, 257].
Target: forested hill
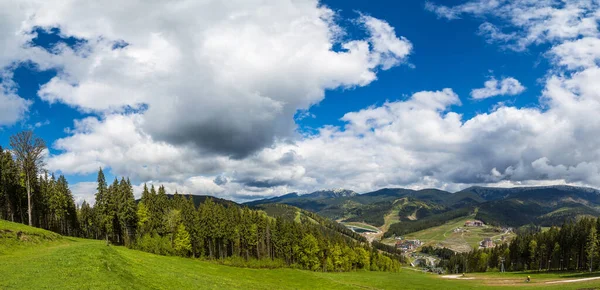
[546, 205]
[188, 226]
[199, 199]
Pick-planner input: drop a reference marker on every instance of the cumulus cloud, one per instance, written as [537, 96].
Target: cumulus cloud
[12, 107]
[203, 98]
[529, 22]
[506, 87]
[577, 54]
[84, 191]
[226, 78]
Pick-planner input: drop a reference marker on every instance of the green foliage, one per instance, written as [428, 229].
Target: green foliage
[592, 248]
[156, 244]
[372, 213]
[143, 217]
[182, 243]
[173, 225]
[573, 246]
[407, 227]
[69, 263]
[309, 250]
[53, 205]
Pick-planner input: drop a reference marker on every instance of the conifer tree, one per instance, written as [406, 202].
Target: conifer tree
[182, 243]
[86, 220]
[592, 247]
[125, 209]
[102, 204]
[112, 211]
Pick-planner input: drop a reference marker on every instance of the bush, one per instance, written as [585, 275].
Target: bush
[155, 244]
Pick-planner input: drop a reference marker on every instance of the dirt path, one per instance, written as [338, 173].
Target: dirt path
[513, 281]
[573, 280]
[457, 277]
[413, 216]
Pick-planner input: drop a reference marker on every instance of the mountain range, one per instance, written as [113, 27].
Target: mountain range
[398, 208]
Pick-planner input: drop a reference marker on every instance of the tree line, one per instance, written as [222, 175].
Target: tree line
[176, 226]
[29, 194]
[575, 246]
[408, 227]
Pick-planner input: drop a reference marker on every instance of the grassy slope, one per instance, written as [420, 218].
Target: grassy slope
[361, 225]
[444, 236]
[68, 263]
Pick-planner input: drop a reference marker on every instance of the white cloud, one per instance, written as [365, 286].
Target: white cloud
[84, 191]
[223, 80]
[12, 107]
[506, 87]
[495, 34]
[577, 54]
[530, 22]
[389, 50]
[472, 7]
[226, 78]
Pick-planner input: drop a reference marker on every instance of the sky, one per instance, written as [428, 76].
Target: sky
[247, 99]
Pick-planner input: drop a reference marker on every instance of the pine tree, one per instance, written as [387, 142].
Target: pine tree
[182, 243]
[112, 211]
[592, 247]
[189, 216]
[162, 209]
[86, 220]
[126, 210]
[102, 204]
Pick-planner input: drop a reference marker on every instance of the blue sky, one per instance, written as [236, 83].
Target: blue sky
[447, 54]
[201, 134]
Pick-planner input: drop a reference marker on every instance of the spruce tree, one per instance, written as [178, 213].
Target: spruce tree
[102, 205]
[592, 247]
[182, 243]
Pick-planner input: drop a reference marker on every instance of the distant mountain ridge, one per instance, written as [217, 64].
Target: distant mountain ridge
[332, 193]
[495, 193]
[515, 206]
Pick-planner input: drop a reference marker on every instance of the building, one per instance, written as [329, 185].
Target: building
[408, 245]
[487, 243]
[474, 223]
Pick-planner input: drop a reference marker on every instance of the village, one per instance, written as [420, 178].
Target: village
[499, 236]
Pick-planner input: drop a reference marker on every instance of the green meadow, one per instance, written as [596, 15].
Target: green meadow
[31, 258]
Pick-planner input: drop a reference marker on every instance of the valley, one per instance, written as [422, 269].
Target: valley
[69, 263]
[436, 217]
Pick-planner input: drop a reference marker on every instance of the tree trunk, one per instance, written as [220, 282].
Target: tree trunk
[28, 187]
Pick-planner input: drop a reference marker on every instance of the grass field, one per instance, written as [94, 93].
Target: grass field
[36, 259]
[444, 235]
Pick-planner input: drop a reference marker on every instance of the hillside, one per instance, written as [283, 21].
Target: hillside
[373, 207]
[199, 199]
[455, 236]
[547, 205]
[69, 263]
[298, 215]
